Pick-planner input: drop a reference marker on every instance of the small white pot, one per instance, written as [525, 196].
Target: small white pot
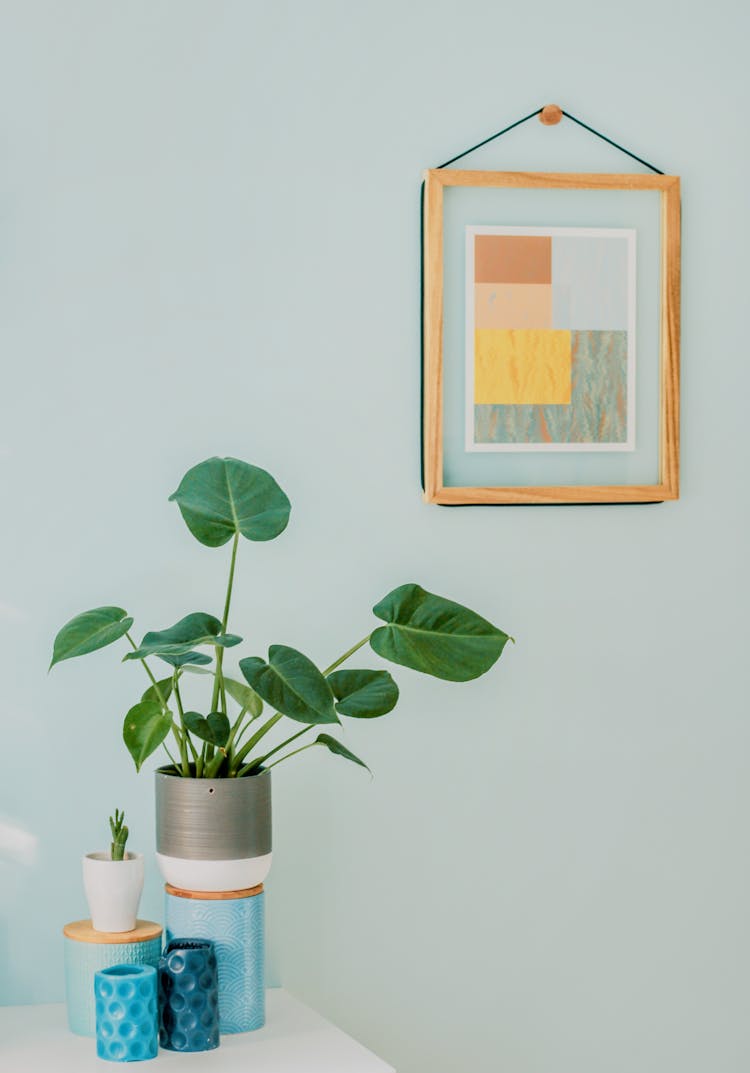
[113, 890]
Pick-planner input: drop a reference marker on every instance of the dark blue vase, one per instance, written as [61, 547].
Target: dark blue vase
[188, 996]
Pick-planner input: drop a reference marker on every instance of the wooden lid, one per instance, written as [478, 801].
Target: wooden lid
[213, 895]
[83, 931]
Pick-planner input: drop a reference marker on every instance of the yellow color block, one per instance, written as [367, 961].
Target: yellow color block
[522, 366]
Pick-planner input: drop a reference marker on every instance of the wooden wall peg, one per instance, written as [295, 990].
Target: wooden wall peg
[550, 115]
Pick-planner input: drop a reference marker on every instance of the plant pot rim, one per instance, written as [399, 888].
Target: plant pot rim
[104, 857]
[170, 772]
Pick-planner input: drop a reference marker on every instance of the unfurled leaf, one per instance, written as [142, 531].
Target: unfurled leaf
[165, 688]
[214, 728]
[363, 694]
[292, 684]
[437, 636]
[145, 728]
[223, 496]
[89, 631]
[246, 697]
[196, 629]
[336, 747]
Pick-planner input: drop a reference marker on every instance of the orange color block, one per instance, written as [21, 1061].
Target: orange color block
[513, 259]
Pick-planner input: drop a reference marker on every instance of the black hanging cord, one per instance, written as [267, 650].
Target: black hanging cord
[492, 137]
[567, 115]
[609, 140]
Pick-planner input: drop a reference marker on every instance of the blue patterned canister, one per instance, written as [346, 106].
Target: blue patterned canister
[188, 996]
[234, 922]
[126, 1019]
[87, 951]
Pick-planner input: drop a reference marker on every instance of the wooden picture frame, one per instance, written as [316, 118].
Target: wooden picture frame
[667, 485]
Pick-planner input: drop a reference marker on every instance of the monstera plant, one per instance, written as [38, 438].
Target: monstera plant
[221, 500]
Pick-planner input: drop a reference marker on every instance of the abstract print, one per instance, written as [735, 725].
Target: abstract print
[550, 339]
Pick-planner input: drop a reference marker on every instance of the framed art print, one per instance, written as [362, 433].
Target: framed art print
[550, 337]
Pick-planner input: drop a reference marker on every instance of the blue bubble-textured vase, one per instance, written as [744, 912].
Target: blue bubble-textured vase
[126, 1019]
[234, 922]
[188, 996]
[87, 951]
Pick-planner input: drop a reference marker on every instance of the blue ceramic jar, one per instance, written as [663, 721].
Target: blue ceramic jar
[234, 922]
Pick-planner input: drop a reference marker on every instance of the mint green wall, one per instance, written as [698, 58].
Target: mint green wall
[208, 244]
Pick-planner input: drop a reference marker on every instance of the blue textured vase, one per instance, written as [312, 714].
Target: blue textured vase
[126, 1013]
[234, 923]
[188, 996]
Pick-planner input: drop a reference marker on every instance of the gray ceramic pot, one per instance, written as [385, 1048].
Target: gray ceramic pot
[213, 834]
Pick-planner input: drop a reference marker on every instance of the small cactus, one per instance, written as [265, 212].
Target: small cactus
[119, 835]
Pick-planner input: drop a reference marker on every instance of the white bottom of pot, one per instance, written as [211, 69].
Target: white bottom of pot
[113, 890]
[214, 875]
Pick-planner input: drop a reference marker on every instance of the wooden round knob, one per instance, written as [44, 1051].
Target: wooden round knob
[550, 114]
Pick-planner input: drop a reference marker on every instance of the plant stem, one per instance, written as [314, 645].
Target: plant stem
[212, 768]
[290, 755]
[230, 583]
[178, 698]
[236, 737]
[262, 759]
[174, 762]
[148, 672]
[185, 733]
[233, 733]
[253, 741]
[218, 679]
[180, 739]
[345, 656]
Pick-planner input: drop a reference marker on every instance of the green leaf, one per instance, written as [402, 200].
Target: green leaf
[363, 694]
[89, 631]
[437, 636]
[197, 724]
[336, 747]
[214, 729]
[292, 684]
[196, 629]
[191, 659]
[245, 696]
[165, 688]
[223, 496]
[145, 728]
[219, 725]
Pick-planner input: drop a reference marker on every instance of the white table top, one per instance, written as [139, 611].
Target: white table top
[295, 1039]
